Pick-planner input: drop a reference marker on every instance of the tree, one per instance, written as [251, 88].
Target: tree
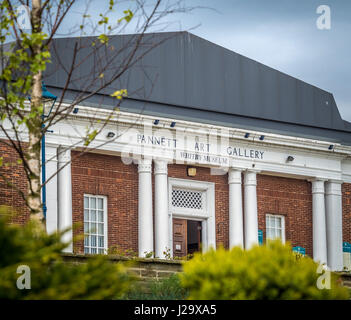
[25, 56]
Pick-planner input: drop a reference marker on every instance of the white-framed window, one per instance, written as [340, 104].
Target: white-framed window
[95, 224]
[275, 227]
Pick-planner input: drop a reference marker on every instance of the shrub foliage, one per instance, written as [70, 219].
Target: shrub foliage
[272, 271]
[51, 277]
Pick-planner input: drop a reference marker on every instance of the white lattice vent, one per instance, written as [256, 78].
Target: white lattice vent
[190, 199]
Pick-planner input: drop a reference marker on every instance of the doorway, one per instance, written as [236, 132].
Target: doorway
[191, 200]
[187, 237]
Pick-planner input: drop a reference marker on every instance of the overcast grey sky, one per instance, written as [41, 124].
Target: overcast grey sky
[281, 34]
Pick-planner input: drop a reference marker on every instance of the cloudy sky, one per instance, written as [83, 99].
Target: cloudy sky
[282, 34]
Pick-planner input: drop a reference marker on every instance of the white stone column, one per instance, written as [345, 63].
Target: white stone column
[250, 209]
[236, 224]
[64, 180]
[161, 209]
[333, 203]
[51, 189]
[318, 218]
[145, 221]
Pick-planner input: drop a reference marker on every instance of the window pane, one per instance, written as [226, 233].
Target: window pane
[93, 215]
[100, 204]
[273, 234]
[93, 241]
[93, 250]
[279, 222]
[100, 216]
[101, 250]
[274, 222]
[269, 233]
[93, 228]
[101, 242]
[86, 215]
[269, 222]
[86, 202]
[86, 250]
[100, 228]
[279, 233]
[93, 203]
[86, 241]
[86, 227]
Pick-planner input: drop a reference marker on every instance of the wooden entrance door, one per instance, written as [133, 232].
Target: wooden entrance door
[179, 237]
[186, 237]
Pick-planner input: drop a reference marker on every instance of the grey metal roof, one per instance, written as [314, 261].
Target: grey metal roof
[190, 78]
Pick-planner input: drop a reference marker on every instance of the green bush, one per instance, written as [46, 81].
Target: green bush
[51, 277]
[166, 289]
[272, 271]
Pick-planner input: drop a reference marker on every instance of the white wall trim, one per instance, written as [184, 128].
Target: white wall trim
[312, 157]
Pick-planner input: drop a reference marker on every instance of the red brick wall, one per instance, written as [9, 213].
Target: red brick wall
[221, 196]
[346, 211]
[14, 174]
[107, 175]
[291, 198]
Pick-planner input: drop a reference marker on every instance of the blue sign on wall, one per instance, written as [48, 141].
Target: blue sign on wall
[346, 247]
[260, 237]
[299, 250]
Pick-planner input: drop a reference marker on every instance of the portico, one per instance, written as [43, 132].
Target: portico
[243, 217]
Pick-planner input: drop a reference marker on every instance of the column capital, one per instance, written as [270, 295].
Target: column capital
[250, 177]
[144, 165]
[63, 154]
[318, 185]
[236, 169]
[161, 167]
[333, 187]
[335, 181]
[317, 179]
[51, 153]
[234, 175]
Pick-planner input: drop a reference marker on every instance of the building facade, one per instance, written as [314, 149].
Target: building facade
[224, 152]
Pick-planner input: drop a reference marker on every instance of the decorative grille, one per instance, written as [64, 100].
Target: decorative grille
[182, 198]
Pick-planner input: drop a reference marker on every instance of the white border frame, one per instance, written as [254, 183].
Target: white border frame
[207, 216]
[105, 217]
[283, 225]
